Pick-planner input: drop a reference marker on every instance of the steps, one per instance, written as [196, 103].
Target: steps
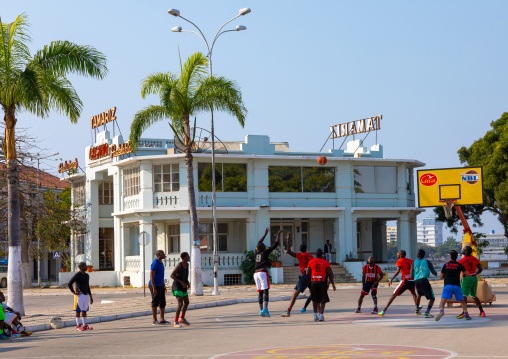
[340, 274]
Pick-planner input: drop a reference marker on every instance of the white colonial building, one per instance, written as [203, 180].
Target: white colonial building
[430, 231]
[259, 184]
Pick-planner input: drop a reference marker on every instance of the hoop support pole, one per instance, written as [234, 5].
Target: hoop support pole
[467, 229]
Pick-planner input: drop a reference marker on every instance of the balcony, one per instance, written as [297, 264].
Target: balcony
[165, 200]
[226, 261]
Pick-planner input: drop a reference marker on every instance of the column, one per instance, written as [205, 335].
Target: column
[92, 237]
[256, 228]
[185, 234]
[403, 234]
[413, 236]
[145, 185]
[145, 225]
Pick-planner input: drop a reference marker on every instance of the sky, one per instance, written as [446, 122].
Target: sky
[434, 70]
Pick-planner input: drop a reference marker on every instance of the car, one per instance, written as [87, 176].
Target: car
[3, 276]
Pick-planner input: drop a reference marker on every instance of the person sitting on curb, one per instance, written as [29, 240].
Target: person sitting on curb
[12, 319]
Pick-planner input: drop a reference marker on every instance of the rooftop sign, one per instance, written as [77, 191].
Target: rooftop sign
[103, 118]
[67, 166]
[356, 127]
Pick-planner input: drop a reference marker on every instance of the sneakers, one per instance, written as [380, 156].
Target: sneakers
[86, 327]
[164, 322]
[78, 327]
[439, 316]
[467, 317]
[417, 312]
[303, 310]
[81, 328]
[382, 313]
[358, 310]
[24, 333]
[482, 314]
[183, 321]
[321, 318]
[460, 316]
[266, 312]
[428, 315]
[315, 317]
[4, 337]
[286, 314]
[261, 314]
[374, 311]
[155, 322]
[177, 325]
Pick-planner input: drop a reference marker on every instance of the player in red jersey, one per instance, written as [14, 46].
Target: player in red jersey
[372, 275]
[320, 272]
[404, 266]
[470, 284]
[304, 280]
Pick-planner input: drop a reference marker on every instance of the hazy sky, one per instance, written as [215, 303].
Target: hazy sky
[435, 70]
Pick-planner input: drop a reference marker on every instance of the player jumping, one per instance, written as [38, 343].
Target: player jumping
[451, 275]
[261, 271]
[404, 265]
[304, 280]
[469, 284]
[82, 295]
[372, 275]
[180, 287]
[320, 272]
[421, 270]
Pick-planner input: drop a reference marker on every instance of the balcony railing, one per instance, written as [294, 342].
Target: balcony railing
[165, 201]
[130, 202]
[132, 263]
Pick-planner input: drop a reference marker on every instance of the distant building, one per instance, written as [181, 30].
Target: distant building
[430, 231]
[391, 234]
[497, 242]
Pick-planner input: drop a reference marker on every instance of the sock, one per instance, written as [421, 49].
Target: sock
[428, 309]
[265, 305]
[467, 314]
[374, 299]
[417, 307]
[83, 319]
[289, 310]
[77, 321]
[176, 318]
[182, 316]
[19, 328]
[441, 311]
[359, 307]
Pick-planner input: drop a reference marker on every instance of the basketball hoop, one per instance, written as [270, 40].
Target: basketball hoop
[448, 205]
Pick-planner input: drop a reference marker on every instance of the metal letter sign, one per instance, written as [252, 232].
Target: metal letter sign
[144, 240]
[56, 255]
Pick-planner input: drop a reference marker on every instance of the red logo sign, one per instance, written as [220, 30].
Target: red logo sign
[428, 179]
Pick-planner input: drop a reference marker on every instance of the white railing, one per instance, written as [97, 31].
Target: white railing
[130, 202]
[165, 200]
[132, 263]
[226, 260]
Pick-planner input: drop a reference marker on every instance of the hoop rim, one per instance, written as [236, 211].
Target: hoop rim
[448, 201]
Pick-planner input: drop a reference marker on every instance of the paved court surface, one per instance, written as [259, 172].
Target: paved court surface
[237, 332]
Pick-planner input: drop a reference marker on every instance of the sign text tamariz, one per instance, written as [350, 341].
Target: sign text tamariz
[355, 127]
[103, 118]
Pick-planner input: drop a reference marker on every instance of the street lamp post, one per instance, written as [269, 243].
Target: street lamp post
[38, 239]
[242, 12]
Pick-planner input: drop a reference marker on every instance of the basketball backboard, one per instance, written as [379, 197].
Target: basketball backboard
[463, 184]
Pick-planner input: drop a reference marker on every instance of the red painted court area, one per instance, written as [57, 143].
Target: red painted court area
[357, 351]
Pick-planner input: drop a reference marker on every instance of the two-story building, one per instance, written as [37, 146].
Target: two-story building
[259, 184]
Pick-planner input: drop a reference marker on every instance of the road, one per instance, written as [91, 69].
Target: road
[237, 328]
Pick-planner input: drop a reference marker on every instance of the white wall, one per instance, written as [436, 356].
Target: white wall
[101, 279]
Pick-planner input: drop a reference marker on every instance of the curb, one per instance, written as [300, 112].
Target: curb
[108, 318]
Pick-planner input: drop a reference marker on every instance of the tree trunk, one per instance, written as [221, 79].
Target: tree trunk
[14, 274]
[196, 273]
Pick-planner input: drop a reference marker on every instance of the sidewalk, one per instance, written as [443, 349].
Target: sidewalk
[136, 306]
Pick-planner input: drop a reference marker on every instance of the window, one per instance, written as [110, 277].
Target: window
[106, 193]
[131, 182]
[166, 178]
[106, 249]
[305, 232]
[301, 179]
[376, 179]
[173, 239]
[80, 244]
[206, 236]
[229, 177]
[79, 194]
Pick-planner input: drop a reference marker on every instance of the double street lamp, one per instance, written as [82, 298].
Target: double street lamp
[242, 12]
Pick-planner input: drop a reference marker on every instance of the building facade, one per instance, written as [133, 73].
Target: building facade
[259, 184]
[430, 231]
[391, 233]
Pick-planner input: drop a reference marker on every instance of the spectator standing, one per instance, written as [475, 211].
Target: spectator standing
[157, 287]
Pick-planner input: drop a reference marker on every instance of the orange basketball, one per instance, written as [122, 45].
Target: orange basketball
[322, 160]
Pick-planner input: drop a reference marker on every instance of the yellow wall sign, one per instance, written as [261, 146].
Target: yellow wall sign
[463, 184]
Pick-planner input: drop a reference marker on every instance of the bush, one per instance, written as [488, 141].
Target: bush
[247, 266]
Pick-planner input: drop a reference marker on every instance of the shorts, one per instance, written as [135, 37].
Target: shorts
[81, 303]
[303, 283]
[450, 290]
[319, 292]
[179, 293]
[158, 300]
[469, 285]
[403, 286]
[423, 288]
[368, 286]
[262, 281]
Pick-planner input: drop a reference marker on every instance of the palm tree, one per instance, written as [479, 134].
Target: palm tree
[181, 97]
[35, 85]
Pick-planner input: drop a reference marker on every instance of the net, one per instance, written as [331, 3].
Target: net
[448, 207]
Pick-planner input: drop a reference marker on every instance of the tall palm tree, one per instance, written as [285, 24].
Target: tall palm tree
[35, 85]
[181, 97]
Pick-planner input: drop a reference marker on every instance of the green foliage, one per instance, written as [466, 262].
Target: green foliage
[482, 243]
[490, 152]
[391, 250]
[450, 244]
[506, 250]
[248, 266]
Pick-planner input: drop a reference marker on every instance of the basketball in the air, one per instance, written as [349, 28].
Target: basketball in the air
[322, 160]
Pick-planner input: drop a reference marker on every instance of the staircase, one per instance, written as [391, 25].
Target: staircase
[340, 274]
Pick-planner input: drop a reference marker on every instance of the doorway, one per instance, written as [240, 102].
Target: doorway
[287, 227]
